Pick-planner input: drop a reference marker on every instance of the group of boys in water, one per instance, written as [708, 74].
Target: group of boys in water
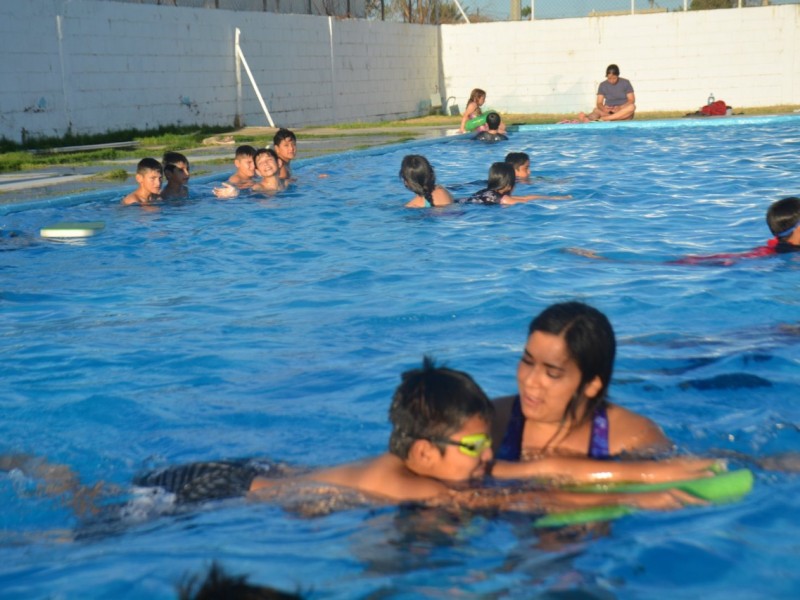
[266, 170]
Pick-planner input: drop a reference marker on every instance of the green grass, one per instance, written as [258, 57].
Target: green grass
[112, 175]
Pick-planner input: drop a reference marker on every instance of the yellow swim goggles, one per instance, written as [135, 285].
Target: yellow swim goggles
[471, 445]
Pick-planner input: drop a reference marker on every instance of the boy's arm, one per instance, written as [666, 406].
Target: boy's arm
[587, 470]
[552, 501]
[529, 197]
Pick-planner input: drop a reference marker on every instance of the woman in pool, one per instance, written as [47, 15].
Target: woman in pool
[562, 405]
[418, 176]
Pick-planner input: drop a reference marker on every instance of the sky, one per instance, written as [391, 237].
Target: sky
[554, 9]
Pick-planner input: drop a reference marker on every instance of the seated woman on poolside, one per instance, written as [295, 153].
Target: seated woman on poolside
[418, 176]
[267, 168]
[562, 404]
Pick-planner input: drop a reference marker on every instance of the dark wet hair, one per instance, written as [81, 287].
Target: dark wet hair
[517, 159]
[245, 150]
[493, 120]
[612, 70]
[220, 585]
[433, 402]
[501, 175]
[590, 342]
[418, 176]
[782, 215]
[148, 164]
[172, 158]
[283, 134]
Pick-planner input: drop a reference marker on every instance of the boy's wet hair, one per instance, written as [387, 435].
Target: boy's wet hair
[283, 134]
[418, 175]
[173, 158]
[501, 176]
[269, 151]
[612, 69]
[433, 402]
[245, 150]
[590, 342]
[517, 159]
[783, 215]
[148, 164]
[493, 121]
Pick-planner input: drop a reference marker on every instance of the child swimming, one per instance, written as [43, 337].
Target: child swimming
[498, 188]
[418, 176]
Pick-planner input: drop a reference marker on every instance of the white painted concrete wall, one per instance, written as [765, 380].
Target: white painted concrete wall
[90, 67]
[748, 57]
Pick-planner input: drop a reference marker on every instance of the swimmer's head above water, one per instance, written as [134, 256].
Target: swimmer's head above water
[783, 219]
[432, 403]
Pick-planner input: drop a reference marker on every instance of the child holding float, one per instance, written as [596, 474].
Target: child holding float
[474, 118]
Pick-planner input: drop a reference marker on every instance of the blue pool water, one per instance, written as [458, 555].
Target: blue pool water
[278, 328]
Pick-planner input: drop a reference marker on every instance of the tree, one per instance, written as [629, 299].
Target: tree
[711, 4]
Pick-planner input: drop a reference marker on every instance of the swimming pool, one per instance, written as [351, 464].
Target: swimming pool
[278, 327]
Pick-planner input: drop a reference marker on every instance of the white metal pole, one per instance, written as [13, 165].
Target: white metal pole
[240, 54]
[238, 119]
[461, 10]
[533, 10]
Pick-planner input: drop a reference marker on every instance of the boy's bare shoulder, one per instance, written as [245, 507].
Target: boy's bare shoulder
[385, 477]
[131, 198]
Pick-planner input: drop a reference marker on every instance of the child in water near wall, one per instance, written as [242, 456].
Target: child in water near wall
[148, 177]
[418, 176]
[176, 172]
[476, 100]
[267, 167]
[492, 133]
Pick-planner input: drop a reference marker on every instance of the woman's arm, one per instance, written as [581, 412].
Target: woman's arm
[587, 470]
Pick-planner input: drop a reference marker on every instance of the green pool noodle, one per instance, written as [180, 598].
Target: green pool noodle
[724, 487]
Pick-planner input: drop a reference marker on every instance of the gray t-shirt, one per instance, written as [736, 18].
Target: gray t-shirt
[617, 94]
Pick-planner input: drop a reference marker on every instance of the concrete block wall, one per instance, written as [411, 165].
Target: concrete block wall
[747, 57]
[89, 67]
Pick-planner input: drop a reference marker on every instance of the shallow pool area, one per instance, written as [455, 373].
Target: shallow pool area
[278, 327]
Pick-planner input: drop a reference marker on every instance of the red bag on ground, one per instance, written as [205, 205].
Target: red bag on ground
[715, 109]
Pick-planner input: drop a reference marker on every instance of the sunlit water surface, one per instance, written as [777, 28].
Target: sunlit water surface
[278, 327]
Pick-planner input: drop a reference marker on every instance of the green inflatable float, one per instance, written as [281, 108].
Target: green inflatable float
[719, 489]
[476, 122]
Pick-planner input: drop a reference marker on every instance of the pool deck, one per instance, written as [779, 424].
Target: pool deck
[54, 182]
